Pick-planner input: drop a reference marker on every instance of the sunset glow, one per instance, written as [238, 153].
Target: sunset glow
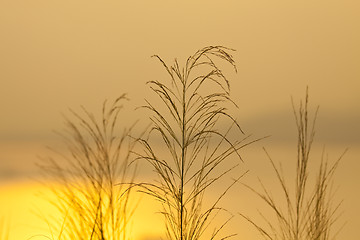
[61, 55]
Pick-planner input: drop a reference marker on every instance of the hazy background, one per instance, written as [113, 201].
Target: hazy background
[60, 54]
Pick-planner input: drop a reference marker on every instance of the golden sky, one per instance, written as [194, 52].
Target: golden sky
[60, 54]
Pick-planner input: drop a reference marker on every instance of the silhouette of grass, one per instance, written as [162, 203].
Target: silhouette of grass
[90, 204]
[190, 151]
[193, 103]
[309, 214]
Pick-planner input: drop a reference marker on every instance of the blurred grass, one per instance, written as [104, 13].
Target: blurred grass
[310, 210]
[95, 175]
[4, 229]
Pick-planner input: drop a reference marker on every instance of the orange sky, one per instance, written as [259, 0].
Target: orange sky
[60, 54]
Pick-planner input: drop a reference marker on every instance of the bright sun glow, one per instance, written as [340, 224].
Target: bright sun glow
[25, 207]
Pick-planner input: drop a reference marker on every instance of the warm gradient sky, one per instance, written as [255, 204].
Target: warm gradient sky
[60, 54]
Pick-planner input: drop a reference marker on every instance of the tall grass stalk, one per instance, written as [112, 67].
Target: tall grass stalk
[309, 212]
[188, 126]
[92, 207]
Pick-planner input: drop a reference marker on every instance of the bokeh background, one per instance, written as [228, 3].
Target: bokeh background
[60, 54]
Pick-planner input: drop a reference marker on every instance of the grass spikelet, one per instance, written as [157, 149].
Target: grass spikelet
[194, 101]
